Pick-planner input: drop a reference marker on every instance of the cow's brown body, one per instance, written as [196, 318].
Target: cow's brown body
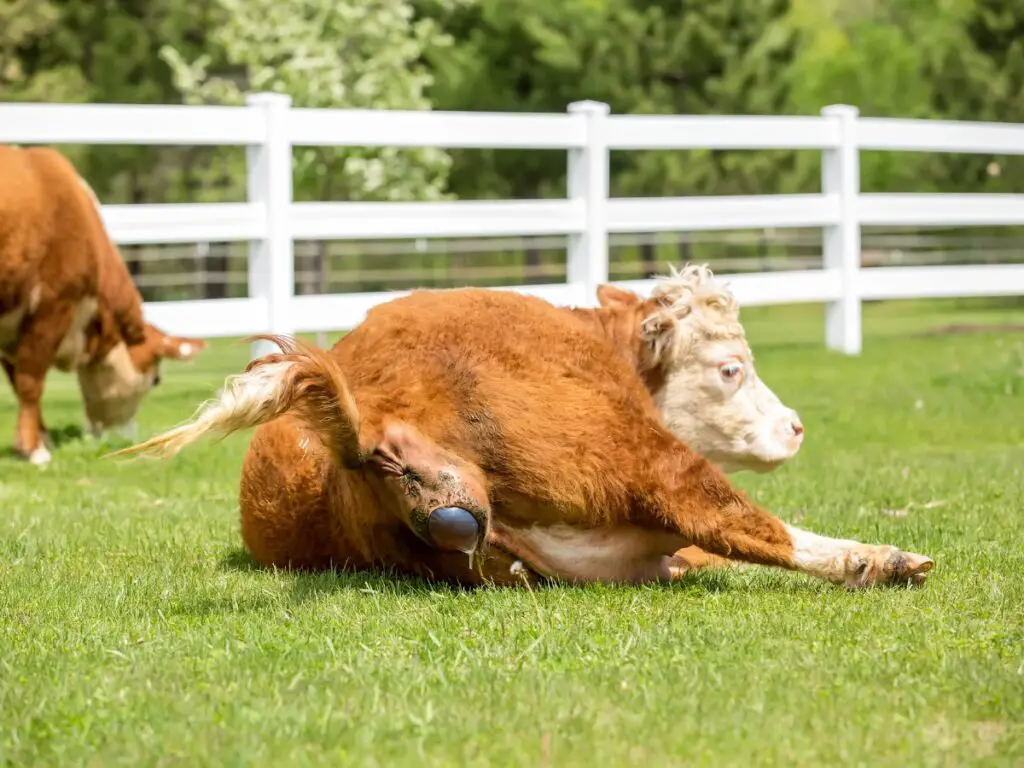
[511, 409]
[67, 300]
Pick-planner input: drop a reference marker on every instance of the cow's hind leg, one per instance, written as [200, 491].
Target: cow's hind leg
[297, 510]
[440, 496]
[286, 494]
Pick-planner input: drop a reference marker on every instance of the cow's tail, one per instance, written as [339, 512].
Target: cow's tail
[302, 380]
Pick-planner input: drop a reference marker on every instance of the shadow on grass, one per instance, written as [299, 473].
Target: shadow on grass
[55, 440]
[308, 585]
[65, 435]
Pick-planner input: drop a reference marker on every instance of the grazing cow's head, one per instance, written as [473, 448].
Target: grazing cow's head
[113, 386]
[702, 374]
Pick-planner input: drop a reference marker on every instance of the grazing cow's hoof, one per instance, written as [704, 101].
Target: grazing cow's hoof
[40, 457]
[453, 528]
[886, 565]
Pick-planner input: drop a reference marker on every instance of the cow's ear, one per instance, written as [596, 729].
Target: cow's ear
[658, 333]
[181, 348]
[613, 297]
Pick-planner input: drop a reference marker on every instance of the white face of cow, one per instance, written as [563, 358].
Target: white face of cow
[113, 388]
[705, 384]
[713, 400]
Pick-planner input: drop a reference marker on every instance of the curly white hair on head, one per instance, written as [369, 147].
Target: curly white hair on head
[695, 305]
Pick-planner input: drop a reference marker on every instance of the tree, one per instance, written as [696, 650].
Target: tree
[325, 53]
[996, 28]
[913, 59]
[24, 24]
[640, 56]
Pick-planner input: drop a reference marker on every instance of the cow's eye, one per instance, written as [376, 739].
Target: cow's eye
[730, 371]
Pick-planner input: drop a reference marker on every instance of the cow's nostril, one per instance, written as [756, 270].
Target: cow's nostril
[798, 428]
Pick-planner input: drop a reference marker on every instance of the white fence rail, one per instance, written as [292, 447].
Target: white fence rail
[271, 221]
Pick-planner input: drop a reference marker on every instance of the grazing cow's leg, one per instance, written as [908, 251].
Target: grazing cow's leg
[36, 350]
[9, 370]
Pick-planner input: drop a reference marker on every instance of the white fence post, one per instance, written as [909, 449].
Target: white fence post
[271, 260]
[587, 265]
[840, 176]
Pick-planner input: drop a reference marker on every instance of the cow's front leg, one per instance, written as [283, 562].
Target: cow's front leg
[841, 561]
[854, 564]
[690, 496]
[440, 496]
[18, 446]
[737, 529]
[29, 437]
[36, 350]
[694, 558]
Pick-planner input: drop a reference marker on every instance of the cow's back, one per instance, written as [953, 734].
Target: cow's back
[26, 224]
[47, 236]
[509, 381]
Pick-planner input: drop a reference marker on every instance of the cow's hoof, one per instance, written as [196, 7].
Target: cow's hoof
[888, 565]
[908, 567]
[454, 528]
[40, 457]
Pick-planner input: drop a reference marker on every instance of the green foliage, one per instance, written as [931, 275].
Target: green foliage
[960, 59]
[640, 57]
[325, 53]
[24, 24]
[85, 50]
[914, 59]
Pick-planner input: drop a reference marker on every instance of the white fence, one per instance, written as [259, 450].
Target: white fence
[269, 127]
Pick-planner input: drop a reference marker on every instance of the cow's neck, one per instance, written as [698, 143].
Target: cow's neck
[620, 327]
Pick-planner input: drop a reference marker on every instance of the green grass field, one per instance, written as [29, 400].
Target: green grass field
[135, 631]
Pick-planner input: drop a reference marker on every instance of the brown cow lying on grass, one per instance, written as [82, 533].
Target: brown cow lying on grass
[67, 301]
[499, 426]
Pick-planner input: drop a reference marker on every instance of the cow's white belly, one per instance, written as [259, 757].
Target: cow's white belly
[622, 554]
[71, 353]
[10, 324]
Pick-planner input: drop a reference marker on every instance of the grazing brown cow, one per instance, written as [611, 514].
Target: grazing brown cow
[495, 425]
[67, 300]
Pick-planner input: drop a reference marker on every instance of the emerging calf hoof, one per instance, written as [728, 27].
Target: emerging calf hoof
[887, 565]
[453, 528]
